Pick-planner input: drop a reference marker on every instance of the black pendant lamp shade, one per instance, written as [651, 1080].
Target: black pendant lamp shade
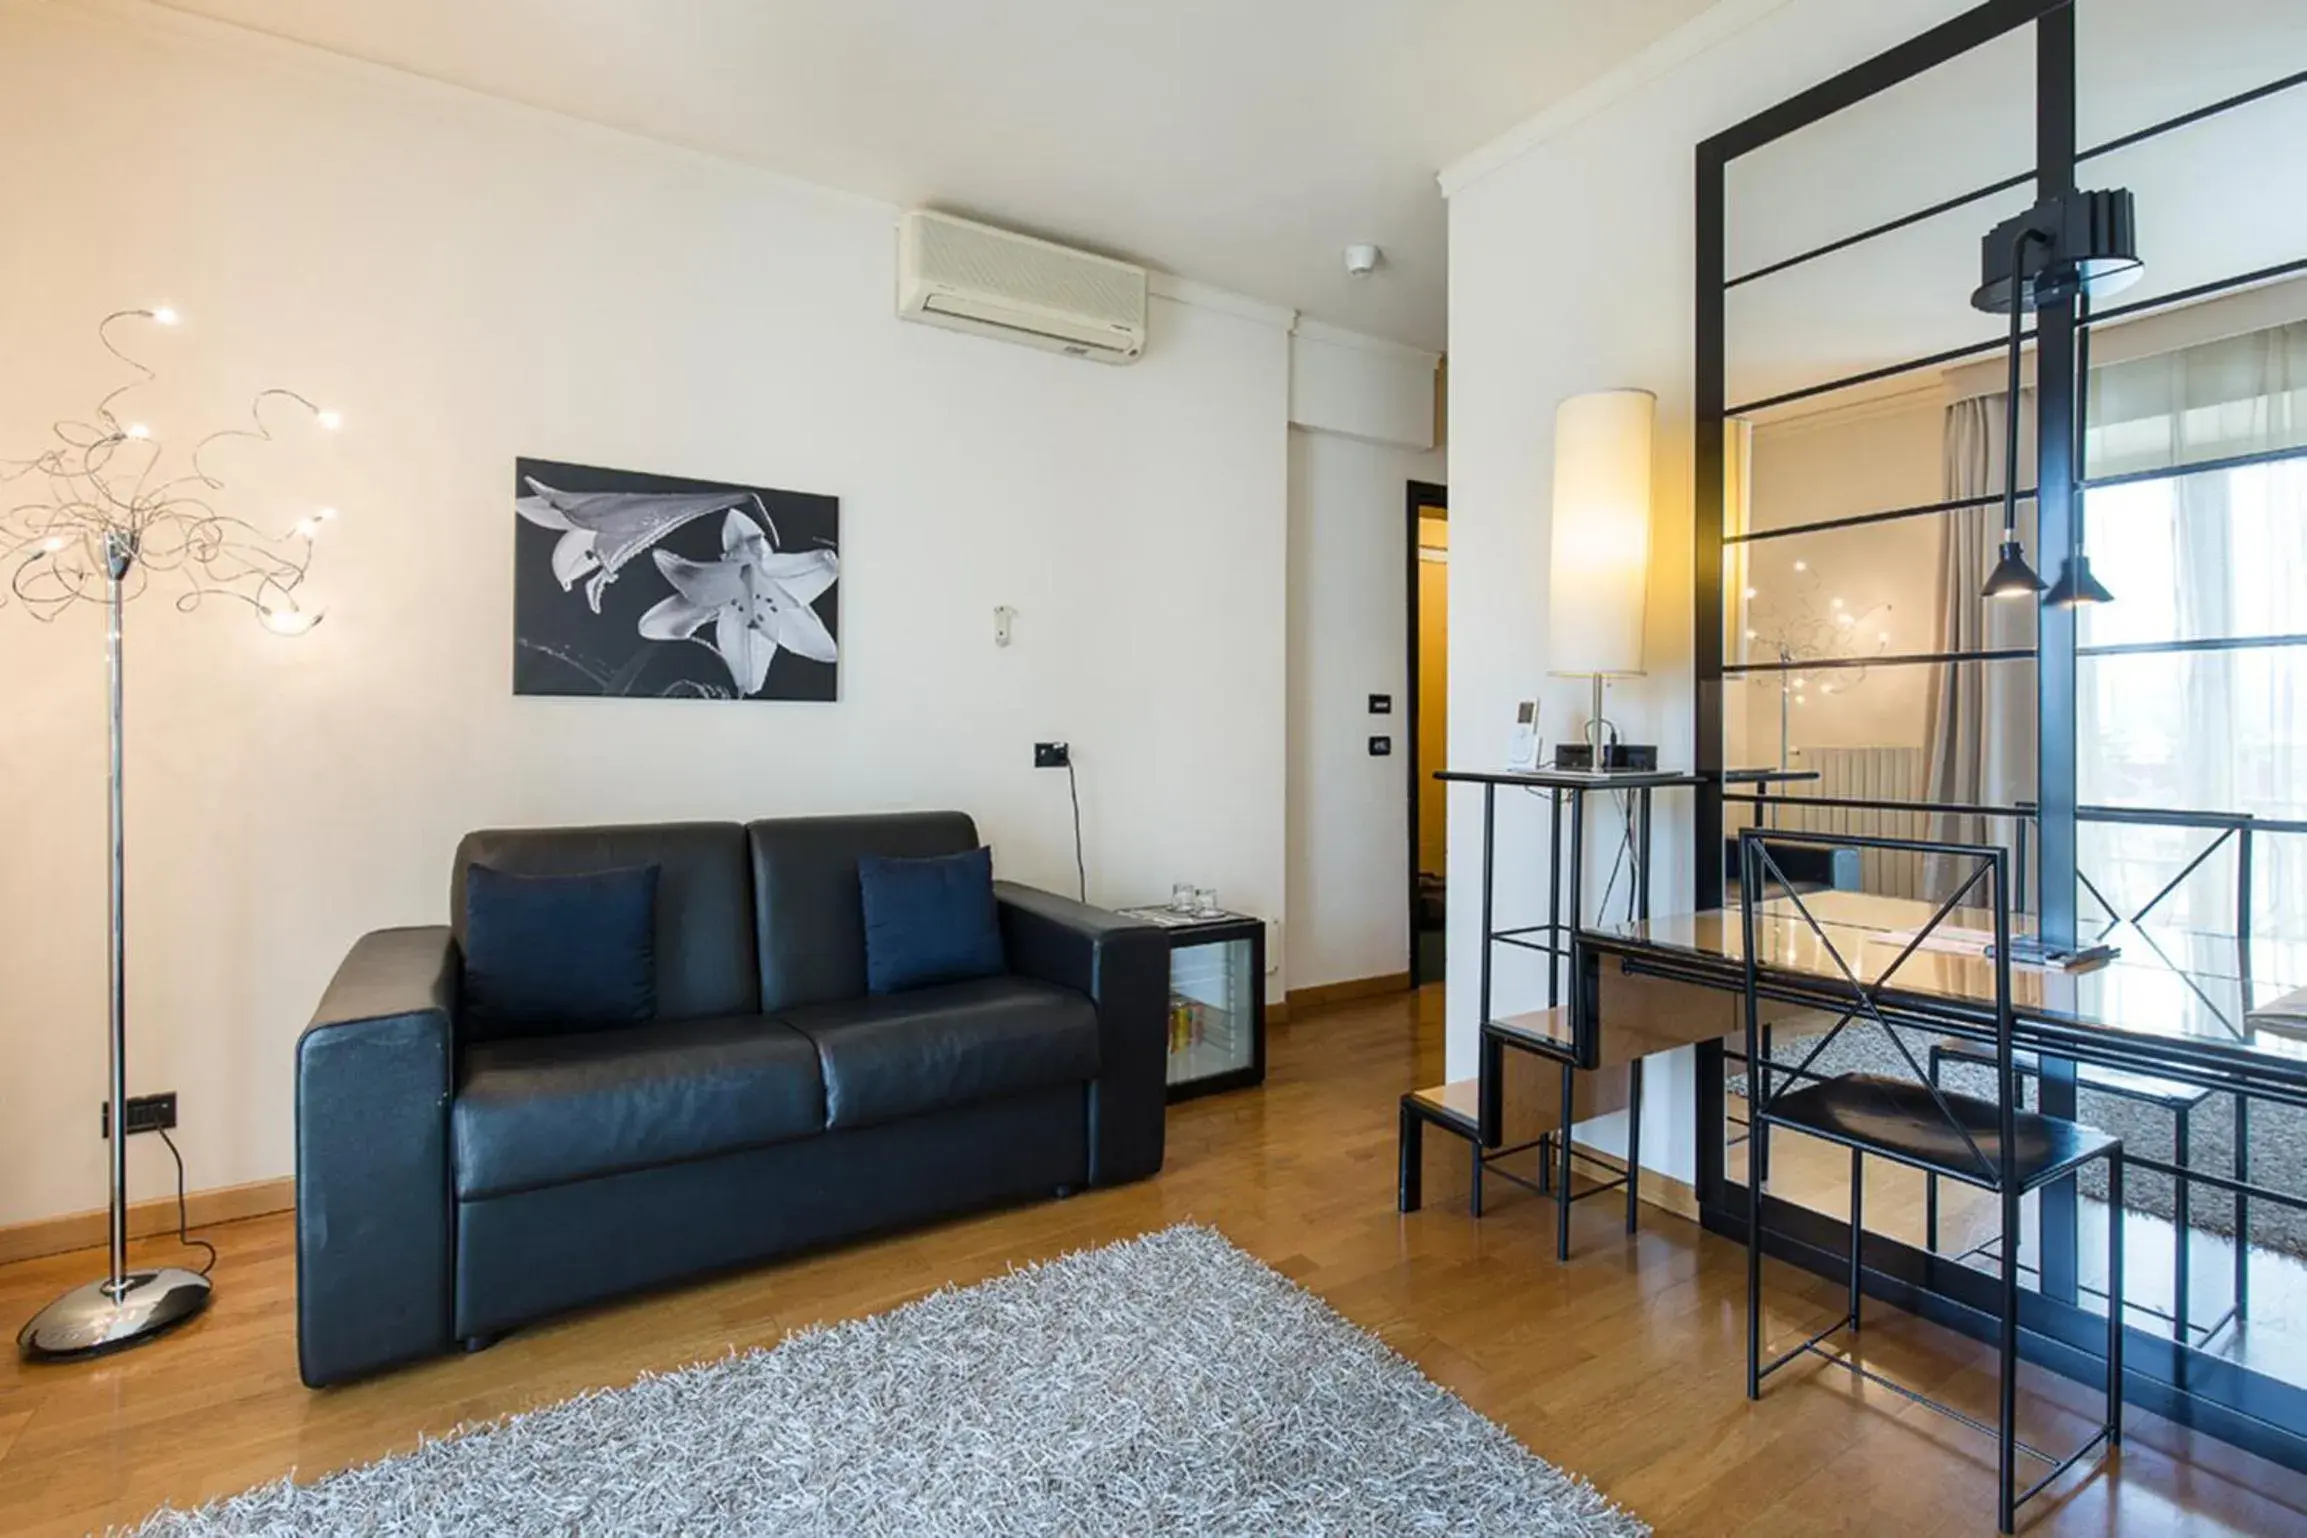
[2012, 576]
[2076, 586]
[2084, 243]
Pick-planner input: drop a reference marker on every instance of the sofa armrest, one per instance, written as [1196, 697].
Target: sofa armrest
[1124, 966]
[375, 1224]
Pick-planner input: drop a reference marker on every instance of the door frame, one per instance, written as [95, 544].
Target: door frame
[1419, 496]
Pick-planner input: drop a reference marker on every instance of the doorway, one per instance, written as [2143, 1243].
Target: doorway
[1426, 723]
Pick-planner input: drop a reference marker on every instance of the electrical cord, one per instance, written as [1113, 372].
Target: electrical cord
[1625, 803]
[1073, 790]
[1624, 800]
[183, 1236]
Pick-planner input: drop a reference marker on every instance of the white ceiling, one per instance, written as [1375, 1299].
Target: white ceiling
[1242, 143]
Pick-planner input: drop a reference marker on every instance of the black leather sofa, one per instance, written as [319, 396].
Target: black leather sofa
[449, 1192]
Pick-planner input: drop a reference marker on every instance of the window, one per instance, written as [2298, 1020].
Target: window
[2164, 721]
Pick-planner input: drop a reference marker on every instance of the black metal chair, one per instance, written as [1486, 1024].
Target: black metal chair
[1994, 1145]
[2182, 1101]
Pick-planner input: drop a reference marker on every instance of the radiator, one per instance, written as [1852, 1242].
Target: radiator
[1865, 774]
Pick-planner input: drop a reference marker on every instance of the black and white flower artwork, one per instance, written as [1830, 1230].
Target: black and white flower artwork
[661, 587]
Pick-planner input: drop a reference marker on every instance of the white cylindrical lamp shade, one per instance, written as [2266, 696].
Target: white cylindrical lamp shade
[1599, 577]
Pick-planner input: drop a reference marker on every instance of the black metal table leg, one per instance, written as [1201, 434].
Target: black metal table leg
[2115, 1298]
[1642, 853]
[2007, 1375]
[2182, 1229]
[1474, 1178]
[2242, 1169]
[1409, 1178]
[1633, 1145]
[1758, 1132]
[1753, 1278]
[1554, 898]
[1577, 859]
[1857, 1233]
[1563, 1193]
[1930, 1179]
[1489, 1110]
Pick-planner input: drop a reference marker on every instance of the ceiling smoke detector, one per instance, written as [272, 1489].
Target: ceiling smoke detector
[1361, 261]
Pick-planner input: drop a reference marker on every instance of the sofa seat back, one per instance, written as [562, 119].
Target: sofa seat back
[808, 914]
[937, 1049]
[545, 1110]
[705, 952]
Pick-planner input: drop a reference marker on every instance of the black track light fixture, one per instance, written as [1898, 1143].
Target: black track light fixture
[2082, 244]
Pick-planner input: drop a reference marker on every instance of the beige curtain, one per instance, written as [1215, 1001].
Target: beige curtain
[1981, 747]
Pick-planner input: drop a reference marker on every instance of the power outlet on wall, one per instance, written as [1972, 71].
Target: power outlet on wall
[1051, 755]
[143, 1113]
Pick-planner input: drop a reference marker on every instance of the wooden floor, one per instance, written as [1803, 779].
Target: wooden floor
[1624, 1365]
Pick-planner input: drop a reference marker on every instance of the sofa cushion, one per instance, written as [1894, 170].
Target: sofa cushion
[891, 1055]
[541, 1110]
[929, 921]
[704, 900]
[558, 952]
[808, 912]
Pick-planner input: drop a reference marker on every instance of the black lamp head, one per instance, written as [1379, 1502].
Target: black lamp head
[2076, 586]
[2012, 576]
[2084, 243]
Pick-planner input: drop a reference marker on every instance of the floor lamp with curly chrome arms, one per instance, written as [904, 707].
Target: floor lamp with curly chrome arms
[101, 523]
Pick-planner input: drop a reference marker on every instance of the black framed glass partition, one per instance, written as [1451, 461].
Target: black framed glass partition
[2144, 760]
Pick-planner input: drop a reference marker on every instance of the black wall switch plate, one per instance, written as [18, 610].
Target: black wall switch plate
[143, 1113]
[1051, 755]
[1380, 747]
[1381, 704]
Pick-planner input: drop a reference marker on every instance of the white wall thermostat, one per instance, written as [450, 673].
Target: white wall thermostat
[1522, 747]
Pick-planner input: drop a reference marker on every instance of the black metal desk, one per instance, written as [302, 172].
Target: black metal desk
[2173, 1005]
[1545, 1035]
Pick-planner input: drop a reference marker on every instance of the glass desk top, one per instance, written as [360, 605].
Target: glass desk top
[2171, 997]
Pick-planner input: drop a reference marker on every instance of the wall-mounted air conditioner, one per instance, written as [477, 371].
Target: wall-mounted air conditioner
[972, 277]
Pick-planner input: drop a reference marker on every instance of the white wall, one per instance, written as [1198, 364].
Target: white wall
[1349, 612]
[1362, 428]
[469, 282]
[1572, 269]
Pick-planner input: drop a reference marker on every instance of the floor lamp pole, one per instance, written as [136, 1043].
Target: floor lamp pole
[116, 977]
[127, 1307]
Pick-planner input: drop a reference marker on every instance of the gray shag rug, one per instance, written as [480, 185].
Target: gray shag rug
[2278, 1133]
[1169, 1384]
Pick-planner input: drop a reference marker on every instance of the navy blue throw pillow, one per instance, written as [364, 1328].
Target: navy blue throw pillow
[929, 921]
[558, 953]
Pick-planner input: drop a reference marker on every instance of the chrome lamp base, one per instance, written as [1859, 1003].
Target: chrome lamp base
[94, 1319]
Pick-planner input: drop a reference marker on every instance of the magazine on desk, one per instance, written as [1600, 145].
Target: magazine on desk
[2026, 950]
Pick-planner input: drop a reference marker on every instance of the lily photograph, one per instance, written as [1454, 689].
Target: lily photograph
[663, 587]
